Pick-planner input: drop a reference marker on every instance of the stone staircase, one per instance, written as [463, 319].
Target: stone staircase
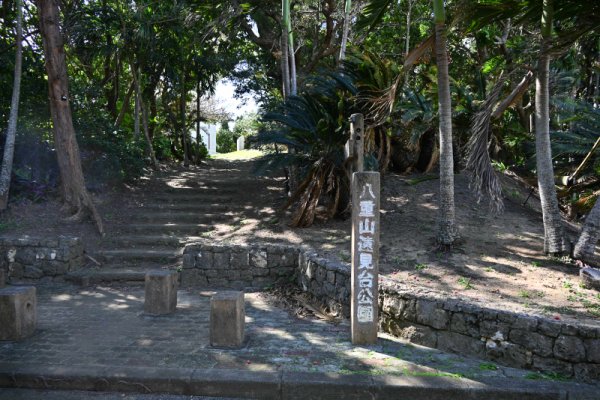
[172, 208]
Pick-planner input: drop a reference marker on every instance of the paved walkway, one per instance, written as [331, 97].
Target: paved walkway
[98, 338]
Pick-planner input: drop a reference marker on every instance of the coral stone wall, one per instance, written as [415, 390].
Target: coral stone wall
[416, 314]
[34, 258]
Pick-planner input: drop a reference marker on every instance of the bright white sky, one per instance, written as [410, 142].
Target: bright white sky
[224, 96]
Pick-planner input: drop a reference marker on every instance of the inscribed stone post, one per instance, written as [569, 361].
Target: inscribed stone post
[365, 257]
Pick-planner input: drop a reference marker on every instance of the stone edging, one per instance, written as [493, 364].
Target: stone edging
[278, 385]
[28, 257]
[421, 316]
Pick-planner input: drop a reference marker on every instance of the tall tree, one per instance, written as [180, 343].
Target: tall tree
[11, 133]
[346, 31]
[554, 240]
[76, 197]
[447, 229]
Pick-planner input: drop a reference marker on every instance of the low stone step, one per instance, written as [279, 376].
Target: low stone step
[142, 254]
[202, 207]
[179, 216]
[168, 228]
[109, 275]
[200, 190]
[189, 198]
[156, 240]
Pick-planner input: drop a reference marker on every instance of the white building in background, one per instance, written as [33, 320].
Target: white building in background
[208, 133]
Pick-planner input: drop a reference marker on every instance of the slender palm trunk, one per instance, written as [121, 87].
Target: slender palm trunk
[346, 30]
[9, 144]
[447, 229]
[586, 244]
[285, 67]
[182, 104]
[408, 21]
[554, 241]
[74, 192]
[285, 49]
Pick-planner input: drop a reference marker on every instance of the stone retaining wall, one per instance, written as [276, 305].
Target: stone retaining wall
[28, 257]
[418, 315]
[237, 266]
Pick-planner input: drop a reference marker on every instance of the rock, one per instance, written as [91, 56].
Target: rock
[569, 348]
[429, 314]
[460, 344]
[537, 343]
[508, 353]
[590, 277]
[593, 350]
[414, 333]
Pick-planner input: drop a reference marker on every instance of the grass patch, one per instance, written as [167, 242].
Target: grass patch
[407, 372]
[238, 155]
[465, 283]
[488, 367]
[524, 294]
[550, 376]
[421, 267]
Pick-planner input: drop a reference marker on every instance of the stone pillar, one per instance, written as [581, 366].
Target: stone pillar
[241, 143]
[227, 318]
[2, 277]
[17, 312]
[365, 257]
[161, 292]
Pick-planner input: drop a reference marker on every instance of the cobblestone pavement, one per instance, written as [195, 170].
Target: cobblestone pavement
[105, 326]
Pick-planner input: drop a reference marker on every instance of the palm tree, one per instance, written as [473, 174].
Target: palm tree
[554, 240]
[9, 144]
[447, 228]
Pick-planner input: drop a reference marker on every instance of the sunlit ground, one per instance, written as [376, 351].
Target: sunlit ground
[238, 155]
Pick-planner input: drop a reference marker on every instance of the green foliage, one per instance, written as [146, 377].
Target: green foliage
[314, 127]
[226, 139]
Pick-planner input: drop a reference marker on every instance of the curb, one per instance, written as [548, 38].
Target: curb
[282, 385]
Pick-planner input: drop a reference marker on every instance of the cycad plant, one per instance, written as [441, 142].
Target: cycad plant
[315, 124]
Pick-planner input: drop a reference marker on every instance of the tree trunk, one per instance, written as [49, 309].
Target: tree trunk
[586, 244]
[408, 16]
[125, 105]
[9, 144]
[74, 192]
[138, 96]
[554, 242]
[289, 37]
[285, 63]
[346, 30]
[144, 110]
[182, 104]
[447, 228]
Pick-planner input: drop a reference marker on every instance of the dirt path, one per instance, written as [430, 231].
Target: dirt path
[498, 260]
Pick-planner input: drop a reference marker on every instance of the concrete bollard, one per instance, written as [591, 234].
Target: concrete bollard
[161, 292]
[2, 278]
[227, 318]
[17, 312]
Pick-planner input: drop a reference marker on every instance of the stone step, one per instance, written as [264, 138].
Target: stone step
[188, 198]
[202, 207]
[179, 216]
[167, 228]
[156, 240]
[133, 276]
[140, 254]
[200, 190]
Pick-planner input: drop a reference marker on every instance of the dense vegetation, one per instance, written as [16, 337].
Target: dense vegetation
[486, 85]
